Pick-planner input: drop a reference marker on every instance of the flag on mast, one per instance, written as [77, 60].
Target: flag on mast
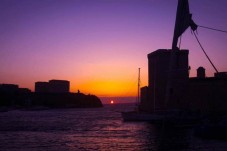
[183, 21]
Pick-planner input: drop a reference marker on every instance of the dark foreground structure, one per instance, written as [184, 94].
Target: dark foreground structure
[182, 100]
[172, 98]
[169, 86]
[174, 90]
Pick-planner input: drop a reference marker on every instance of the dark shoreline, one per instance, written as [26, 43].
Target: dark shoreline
[41, 101]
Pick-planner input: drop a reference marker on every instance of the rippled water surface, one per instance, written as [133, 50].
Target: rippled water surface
[92, 129]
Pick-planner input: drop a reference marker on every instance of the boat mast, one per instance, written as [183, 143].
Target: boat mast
[182, 22]
[154, 86]
[138, 95]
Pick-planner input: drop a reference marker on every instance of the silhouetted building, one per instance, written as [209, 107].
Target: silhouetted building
[170, 87]
[201, 73]
[42, 87]
[58, 86]
[205, 95]
[159, 73]
[221, 75]
[54, 93]
[24, 90]
[53, 86]
[9, 88]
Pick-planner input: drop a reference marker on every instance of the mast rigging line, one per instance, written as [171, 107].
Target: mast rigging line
[224, 31]
[205, 52]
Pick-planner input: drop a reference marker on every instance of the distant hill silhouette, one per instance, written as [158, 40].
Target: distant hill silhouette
[50, 100]
[52, 94]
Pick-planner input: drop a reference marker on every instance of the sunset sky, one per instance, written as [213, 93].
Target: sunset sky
[98, 45]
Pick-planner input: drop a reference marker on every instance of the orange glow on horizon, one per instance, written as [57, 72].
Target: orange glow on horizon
[107, 88]
[117, 81]
[109, 79]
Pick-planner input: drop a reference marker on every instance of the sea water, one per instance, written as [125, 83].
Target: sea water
[92, 129]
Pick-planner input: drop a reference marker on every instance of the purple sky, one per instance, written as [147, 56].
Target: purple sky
[95, 43]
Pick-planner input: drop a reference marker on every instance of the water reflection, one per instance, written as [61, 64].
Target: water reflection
[115, 136]
[93, 129]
